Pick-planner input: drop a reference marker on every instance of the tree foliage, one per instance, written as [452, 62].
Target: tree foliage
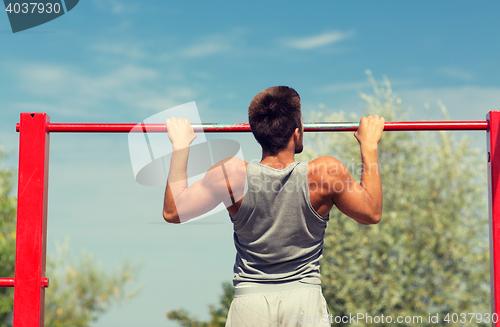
[429, 254]
[218, 314]
[79, 289]
[7, 238]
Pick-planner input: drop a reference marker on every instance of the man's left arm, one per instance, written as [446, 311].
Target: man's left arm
[181, 202]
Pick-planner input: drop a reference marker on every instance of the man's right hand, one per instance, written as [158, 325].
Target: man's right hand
[370, 131]
[180, 132]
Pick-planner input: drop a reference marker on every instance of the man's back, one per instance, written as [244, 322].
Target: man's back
[277, 233]
[279, 238]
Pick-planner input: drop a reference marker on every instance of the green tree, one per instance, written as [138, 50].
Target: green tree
[7, 238]
[429, 254]
[79, 289]
[218, 314]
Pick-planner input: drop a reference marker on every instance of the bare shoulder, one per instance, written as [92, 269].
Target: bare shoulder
[327, 167]
[228, 175]
[232, 165]
[326, 177]
[230, 170]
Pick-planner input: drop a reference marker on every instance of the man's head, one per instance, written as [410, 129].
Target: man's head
[274, 115]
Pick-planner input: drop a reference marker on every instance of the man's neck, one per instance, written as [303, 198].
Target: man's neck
[278, 161]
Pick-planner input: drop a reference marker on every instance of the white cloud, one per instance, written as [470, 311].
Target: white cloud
[73, 93]
[171, 97]
[132, 51]
[317, 41]
[206, 49]
[457, 73]
[114, 6]
[53, 80]
[213, 44]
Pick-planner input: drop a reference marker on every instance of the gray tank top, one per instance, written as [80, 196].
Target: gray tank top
[277, 233]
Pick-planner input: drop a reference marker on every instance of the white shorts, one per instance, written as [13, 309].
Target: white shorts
[304, 306]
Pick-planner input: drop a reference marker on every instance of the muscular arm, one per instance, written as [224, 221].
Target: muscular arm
[368, 195]
[181, 135]
[181, 202]
[362, 202]
[359, 201]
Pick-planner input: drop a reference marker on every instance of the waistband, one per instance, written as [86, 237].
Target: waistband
[273, 288]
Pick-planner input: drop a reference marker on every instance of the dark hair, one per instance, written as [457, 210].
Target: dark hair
[274, 114]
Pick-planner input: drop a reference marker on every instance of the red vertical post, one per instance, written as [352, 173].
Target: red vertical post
[29, 286]
[493, 140]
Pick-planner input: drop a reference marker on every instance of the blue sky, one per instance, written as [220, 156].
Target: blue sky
[123, 61]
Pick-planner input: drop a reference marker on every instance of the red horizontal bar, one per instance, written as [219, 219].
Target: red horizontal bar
[9, 282]
[6, 282]
[438, 126]
[242, 127]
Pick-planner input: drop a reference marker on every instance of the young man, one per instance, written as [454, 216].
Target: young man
[279, 209]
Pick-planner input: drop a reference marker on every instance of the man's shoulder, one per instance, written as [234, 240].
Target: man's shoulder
[227, 173]
[326, 164]
[327, 168]
[232, 163]
[233, 171]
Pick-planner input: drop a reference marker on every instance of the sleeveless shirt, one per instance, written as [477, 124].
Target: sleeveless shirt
[277, 233]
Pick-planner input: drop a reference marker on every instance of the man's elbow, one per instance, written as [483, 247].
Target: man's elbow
[376, 219]
[370, 219]
[171, 218]
[374, 215]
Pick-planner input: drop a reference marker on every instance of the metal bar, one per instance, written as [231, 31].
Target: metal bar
[31, 234]
[30, 280]
[9, 282]
[493, 147]
[6, 282]
[242, 127]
